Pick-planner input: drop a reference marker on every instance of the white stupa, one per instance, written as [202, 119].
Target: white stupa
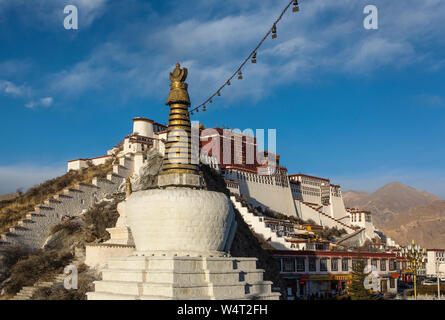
[182, 233]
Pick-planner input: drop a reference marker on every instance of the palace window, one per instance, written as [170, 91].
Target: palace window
[345, 264]
[312, 264]
[392, 265]
[334, 264]
[374, 263]
[288, 265]
[300, 264]
[323, 264]
[383, 265]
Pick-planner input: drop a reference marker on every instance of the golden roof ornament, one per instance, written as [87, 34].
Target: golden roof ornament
[178, 169]
[178, 88]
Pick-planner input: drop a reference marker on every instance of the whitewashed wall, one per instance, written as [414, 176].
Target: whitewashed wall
[272, 196]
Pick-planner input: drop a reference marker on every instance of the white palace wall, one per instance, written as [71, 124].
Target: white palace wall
[306, 213]
[337, 207]
[266, 195]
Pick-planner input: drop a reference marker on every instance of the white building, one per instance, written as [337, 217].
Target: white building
[146, 134]
[435, 263]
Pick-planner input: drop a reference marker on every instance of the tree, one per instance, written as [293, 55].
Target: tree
[357, 288]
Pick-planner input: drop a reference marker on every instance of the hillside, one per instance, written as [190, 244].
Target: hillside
[425, 225]
[8, 196]
[404, 213]
[13, 210]
[388, 201]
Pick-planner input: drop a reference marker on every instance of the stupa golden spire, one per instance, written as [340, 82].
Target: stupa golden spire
[178, 148]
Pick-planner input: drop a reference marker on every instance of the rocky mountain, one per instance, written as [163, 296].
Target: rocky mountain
[425, 225]
[388, 201]
[404, 213]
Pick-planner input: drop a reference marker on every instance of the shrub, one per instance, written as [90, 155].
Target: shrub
[213, 181]
[37, 266]
[69, 226]
[9, 256]
[100, 217]
[58, 292]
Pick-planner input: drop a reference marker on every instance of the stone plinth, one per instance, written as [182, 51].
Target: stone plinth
[182, 236]
[180, 221]
[96, 255]
[179, 180]
[121, 233]
[121, 243]
[170, 277]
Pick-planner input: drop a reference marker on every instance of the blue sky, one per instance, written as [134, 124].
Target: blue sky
[362, 107]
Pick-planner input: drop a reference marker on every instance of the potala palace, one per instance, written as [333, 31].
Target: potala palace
[173, 237]
[296, 195]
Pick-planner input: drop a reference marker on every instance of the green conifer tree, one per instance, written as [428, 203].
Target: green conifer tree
[357, 288]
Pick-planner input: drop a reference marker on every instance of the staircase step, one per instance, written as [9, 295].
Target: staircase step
[62, 196]
[74, 190]
[42, 207]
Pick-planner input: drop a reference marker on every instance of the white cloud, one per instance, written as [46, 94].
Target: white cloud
[9, 88]
[89, 10]
[306, 41]
[26, 175]
[44, 102]
[10, 68]
[325, 37]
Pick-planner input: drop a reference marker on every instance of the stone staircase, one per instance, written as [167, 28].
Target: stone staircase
[257, 224]
[27, 292]
[318, 214]
[352, 238]
[33, 230]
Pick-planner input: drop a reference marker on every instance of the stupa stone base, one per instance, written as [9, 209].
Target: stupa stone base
[182, 278]
[179, 180]
[121, 243]
[96, 255]
[120, 235]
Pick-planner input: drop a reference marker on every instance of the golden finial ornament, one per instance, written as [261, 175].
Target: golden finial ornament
[178, 87]
[178, 149]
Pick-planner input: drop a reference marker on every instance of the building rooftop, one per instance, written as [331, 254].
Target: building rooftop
[308, 176]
